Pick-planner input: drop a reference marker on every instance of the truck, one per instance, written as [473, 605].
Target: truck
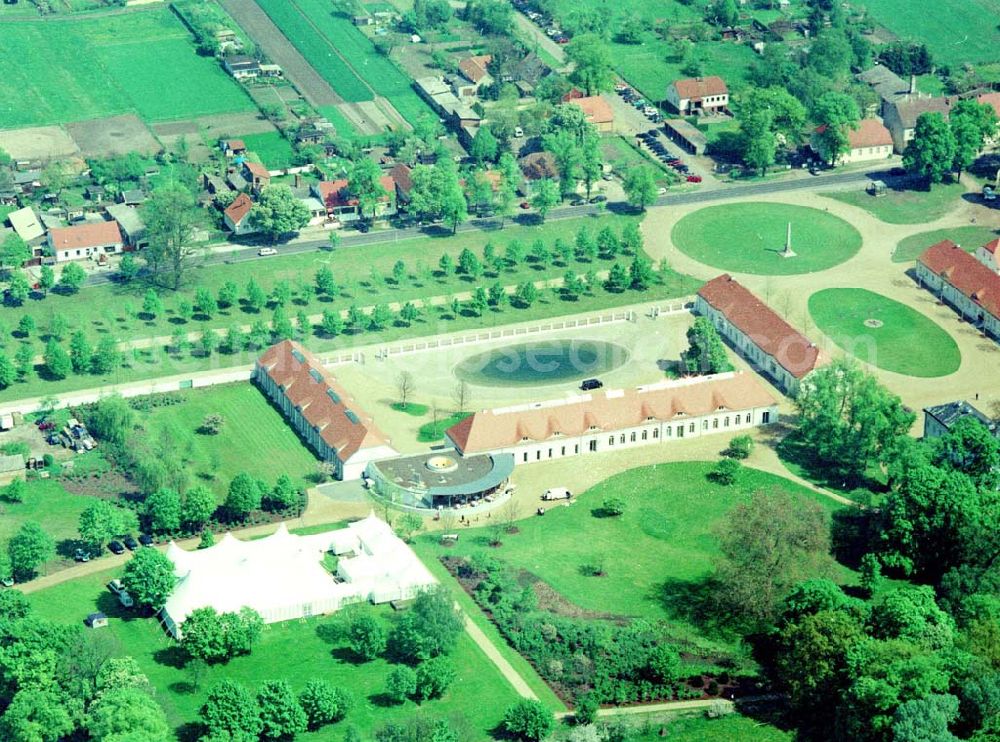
[556, 493]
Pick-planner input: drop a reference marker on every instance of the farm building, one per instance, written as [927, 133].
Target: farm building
[474, 74]
[887, 85]
[939, 419]
[25, 222]
[987, 255]
[901, 116]
[83, 241]
[971, 288]
[698, 95]
[320, 409]
[282, 576]
[870, 141]
[344, 207]
[233, 147]
[771, 345]
[256, 175]
[242, 67]
[685, 135]
[11, 467]
[237, 215]
[617, 418]
[133, 228]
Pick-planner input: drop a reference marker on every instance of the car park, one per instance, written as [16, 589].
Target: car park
[130, 543]
[115, 547]
[266, 251]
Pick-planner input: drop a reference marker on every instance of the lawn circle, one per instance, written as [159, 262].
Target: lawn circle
[884, 332]
[750, 238]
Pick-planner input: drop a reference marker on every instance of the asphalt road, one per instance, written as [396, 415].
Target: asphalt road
[242, 254]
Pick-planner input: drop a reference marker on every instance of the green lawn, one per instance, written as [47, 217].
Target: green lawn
[841, 314]
[46, 502]
[970, 238]
[956, 32]
[255, 437]
[140, 62]
[434, 431]
[296, 651]
[663, 543]
[273, 149]
[102, 309]
[750, 237]
[905, 207]
[732, 728]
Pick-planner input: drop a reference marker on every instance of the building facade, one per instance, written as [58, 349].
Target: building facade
[870, 141]
[320, 409]
[698, 95]
[940, 419]
[83, 241]
[970, 287]
[771, 345]
[987, 255]
[617, 418]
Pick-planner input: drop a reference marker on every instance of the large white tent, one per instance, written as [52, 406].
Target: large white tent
[282, 576]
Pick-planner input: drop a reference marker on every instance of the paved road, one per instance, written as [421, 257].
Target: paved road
[308, 244]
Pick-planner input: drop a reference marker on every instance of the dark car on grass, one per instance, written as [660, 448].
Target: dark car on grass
[131, 543]
[115, 547]
[145, 539]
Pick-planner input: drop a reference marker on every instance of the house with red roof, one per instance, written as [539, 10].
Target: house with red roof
[237, 215]
[698, 95]
[617, 418]
[596, 111]
[475, 73]
[343, 206]
[959, 279]
[256, 175]
[320, 409]
[771, 345]
[870, 141]
[88, 240]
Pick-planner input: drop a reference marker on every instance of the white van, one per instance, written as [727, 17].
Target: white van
[265, 251]
[557, 493]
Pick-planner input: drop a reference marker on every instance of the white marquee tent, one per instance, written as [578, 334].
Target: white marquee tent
[282, 576]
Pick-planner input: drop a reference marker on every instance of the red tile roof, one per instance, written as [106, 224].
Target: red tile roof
[323, 402]
[489, 430]
[870, 133]
[699, 87]
[595, 109]
[239, 208]
[236, 145]
[790, 349]
[336, 193]
[965, 273]
[474, 68]
[97, 234]
[257, 170]
[992, 99]
[991, 246]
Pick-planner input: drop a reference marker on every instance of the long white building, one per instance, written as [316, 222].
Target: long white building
[618, 418]
[959, 279]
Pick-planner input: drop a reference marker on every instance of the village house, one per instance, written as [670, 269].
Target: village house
[987, 255]
[237, 216]
[27, 225]
[317, 211]
[131, 224]
[475, 73]
[901, 116]
[596, 111]
[214, 184]
[320, 409]
[870, 141]
[699, 95]
[887, 85]
[241, 67]
[233, 147]
[617, 418]
[342, 206]
[402, 177]
[771, 345]
[227, 40]
[132, 197]
[438, 94]
[970, 287]
[940, 419]
[83, 241]
[256, 175]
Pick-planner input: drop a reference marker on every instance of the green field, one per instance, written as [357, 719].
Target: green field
[893, 345]
[749, 238]
[956, 31]
[970, 239]
[140, 62]
[251, 425]
[296, 651]
[273, 149]
[905, 207]
[732, 728]
[662, 545]
[343, 55]
[45, 502]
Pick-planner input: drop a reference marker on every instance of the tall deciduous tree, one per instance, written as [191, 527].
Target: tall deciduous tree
[835, 114]
[594, 68]
[170, 214]
[280, 713]
[640, 187]
[705, 354]
[931, 152]
[364, 183]
[231, 712]
[149, 578]
[29, 549]
[127, 713]
[972, 124]
[544, 196]
[278, 212]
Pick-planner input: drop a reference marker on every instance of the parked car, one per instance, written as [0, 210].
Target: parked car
[599, 199]
[131, 543]
[115, 547]
[116, 586]
[81, 556]
[525, 205]
[989, 194]
[694, 179]
[588, 385]
[518, 132]
[145, 539]
[7, 581]
[266, 251]
[661, 191]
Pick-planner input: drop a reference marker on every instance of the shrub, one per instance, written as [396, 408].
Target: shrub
[401, 683]
[713, 688]
[725, 472]
[739, 447]
[613, 506]
[528, 720]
